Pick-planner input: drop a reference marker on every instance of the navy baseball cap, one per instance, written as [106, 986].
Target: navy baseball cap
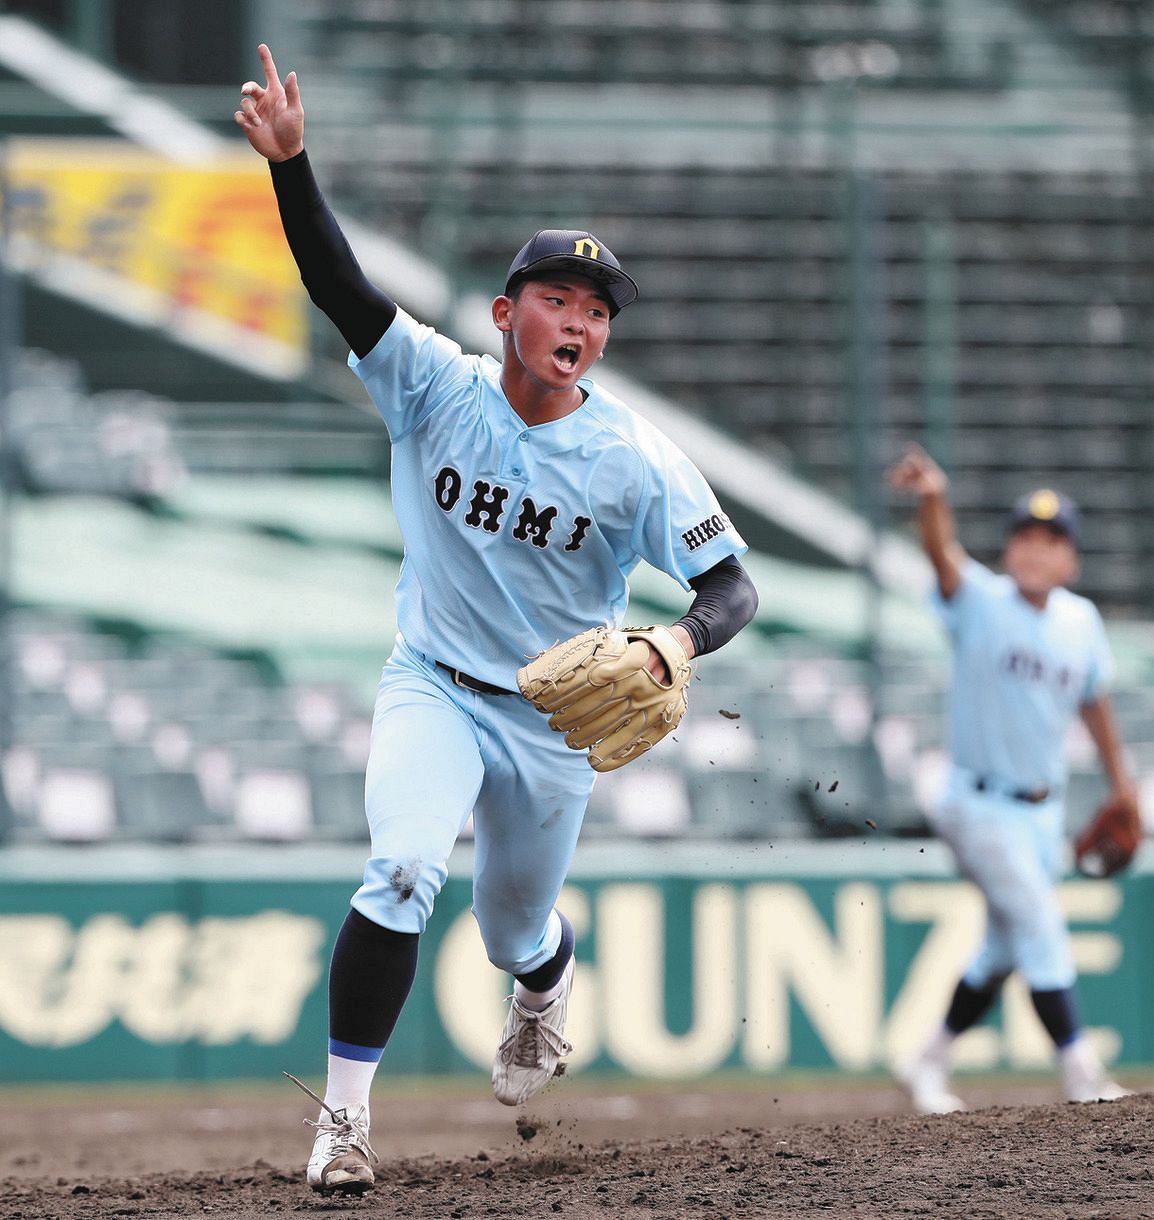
[1049, 508]
[576, 251]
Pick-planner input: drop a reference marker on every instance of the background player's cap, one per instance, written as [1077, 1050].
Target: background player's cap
[1050, 508]
[577, 251]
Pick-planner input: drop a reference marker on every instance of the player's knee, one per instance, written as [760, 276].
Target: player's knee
[1041, 950]
[515, 965]
[510, 950]
[1025, 913]
[399, 892]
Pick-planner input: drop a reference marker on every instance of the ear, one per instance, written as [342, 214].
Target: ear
[503, 313]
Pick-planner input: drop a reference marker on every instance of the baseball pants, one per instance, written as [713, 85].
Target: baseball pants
[1012, 851]
[440, 752]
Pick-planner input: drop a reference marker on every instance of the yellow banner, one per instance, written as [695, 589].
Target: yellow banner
[208, 239]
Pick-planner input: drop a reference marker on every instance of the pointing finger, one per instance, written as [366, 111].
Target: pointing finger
[270, 72]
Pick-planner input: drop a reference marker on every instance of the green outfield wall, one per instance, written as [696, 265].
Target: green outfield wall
[692, 958]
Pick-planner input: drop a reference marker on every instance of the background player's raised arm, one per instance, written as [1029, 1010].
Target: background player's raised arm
[917, 472]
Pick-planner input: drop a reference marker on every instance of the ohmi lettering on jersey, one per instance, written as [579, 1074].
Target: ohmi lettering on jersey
[702, 532]
[1028, 666]
[488, 505]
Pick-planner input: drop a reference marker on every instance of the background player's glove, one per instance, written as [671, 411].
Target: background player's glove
[1108, 844]
[598, 692]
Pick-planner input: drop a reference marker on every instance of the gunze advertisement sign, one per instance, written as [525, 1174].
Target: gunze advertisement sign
[839, 963]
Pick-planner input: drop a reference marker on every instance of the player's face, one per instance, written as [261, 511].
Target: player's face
[1039, 560]
[558, 327]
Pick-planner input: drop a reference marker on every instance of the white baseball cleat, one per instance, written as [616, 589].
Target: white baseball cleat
[927, 1082]
[342, 1159]
[532, 1048]
[1104, 1090]
[1083, 1076]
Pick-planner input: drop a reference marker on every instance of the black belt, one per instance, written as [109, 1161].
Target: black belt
[473, 684]
[1031, 796]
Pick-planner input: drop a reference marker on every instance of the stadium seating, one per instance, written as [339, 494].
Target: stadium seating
[1116, 32]
[647, 42]
[162, 739]
[167, 740]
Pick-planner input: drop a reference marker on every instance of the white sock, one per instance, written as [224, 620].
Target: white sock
[1080, 1058]
[537, 1001]
[348, 1083]
[937, 1049]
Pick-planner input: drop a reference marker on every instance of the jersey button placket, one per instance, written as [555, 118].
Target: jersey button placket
[517, 467]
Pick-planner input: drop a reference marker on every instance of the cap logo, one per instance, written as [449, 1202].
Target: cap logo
[586, 247]
[1044, 505]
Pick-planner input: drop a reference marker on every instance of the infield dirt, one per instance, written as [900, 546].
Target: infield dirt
[736, 1151]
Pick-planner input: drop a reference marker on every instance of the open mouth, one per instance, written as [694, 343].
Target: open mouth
[566, 356]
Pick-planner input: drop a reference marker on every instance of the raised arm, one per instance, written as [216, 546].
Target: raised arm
[917, 472]
[272, 117]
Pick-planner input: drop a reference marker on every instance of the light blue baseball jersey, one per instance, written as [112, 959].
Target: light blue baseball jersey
[516, 536]
[1019, 676]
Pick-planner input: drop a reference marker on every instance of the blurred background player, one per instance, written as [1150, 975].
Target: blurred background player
[1028, 655]
[526, 496]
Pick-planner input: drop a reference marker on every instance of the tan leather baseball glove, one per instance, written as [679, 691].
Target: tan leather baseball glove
[1108, 844]
[597, 690]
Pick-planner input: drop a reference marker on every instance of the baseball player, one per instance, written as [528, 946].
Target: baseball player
[526, 495]
[1028, 655]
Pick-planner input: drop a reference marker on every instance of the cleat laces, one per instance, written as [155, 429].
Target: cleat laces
[340, 1129]
[525, 1047]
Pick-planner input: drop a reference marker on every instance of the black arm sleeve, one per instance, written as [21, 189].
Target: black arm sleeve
[725, 601]
[328, 268]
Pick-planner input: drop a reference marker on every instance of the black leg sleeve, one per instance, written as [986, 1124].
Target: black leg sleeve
[970, 1004]
[371, 973]
[1058, 1012]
